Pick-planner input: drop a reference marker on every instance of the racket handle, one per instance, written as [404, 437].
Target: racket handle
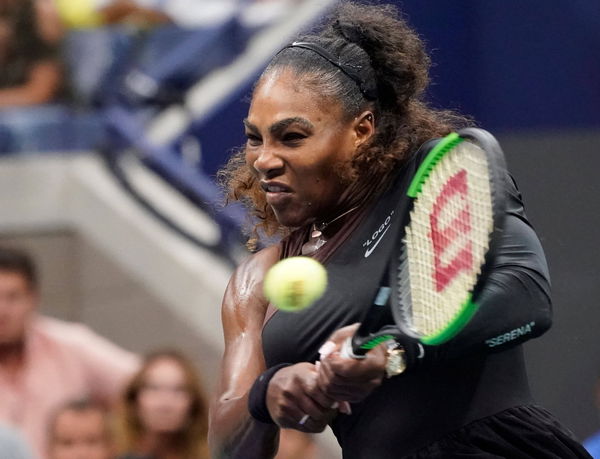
[349, 352]
[364, 339]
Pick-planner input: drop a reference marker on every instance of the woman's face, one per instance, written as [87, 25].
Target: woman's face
[164, 400]
[298, 142]
[6, 35]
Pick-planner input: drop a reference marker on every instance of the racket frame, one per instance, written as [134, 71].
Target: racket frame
[365, 338]
[497, 176]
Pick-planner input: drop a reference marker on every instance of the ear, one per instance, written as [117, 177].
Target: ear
[364, 128]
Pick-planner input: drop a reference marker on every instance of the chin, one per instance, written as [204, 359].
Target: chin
[167, 427]
[293, 221]
[293, 218]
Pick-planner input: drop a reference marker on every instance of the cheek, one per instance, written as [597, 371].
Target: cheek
[23, 315]
[182, 406]
[146, 405]
[249, 156]
[324, 171]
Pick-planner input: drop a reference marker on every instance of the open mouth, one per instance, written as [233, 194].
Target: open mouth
[275, 187]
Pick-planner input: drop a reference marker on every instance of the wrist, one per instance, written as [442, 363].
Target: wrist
[257, 397]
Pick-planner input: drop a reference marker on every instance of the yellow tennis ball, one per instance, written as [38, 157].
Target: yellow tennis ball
[295, 283]
[79, 14]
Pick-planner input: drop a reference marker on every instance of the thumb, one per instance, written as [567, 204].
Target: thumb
[335, 341]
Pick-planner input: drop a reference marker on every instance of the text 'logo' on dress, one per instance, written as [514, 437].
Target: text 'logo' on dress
[376, 237]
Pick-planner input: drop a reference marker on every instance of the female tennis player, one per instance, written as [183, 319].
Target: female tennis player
[336, 130]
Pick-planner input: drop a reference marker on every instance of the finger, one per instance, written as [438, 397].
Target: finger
[327, 348]
[309, 425]
[311, 388]
[341, 334]
[347, 388]
[320, 397]
[315, 410]
[339, 370]
[362, 370]
[331, 383]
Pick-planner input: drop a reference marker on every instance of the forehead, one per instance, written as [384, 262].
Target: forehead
[12, 279]
[164, 369]
[72, 421]
[282, 94]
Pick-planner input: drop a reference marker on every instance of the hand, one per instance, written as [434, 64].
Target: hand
[351, 380]
[293, 393]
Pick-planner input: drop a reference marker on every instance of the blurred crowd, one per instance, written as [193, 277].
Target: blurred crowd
[65, 391]
[46, 70]
[68, 393]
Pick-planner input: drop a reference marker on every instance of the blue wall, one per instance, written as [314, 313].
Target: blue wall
[514, 64]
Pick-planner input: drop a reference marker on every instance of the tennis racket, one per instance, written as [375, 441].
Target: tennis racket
[456, 217]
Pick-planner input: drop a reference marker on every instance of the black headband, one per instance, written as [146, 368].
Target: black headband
[369, 91]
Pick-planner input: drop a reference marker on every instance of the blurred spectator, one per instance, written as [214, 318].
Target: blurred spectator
[163, 411]
[31, 80]
[186, 13]
[12, 444]
[80, 430]
[45, 362]
[95, 13]
[31, 72]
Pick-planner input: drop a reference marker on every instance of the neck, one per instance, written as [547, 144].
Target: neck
[331, 226]
[12, 356]
[162, 445]
[322, 231]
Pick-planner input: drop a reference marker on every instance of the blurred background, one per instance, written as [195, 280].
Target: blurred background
[107, 170]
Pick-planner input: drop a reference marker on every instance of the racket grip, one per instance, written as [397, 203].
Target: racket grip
[351, 351]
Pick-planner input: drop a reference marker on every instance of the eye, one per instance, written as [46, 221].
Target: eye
[252, 139]
[293, 137]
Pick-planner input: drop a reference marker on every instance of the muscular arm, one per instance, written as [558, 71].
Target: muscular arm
[121, 10]
[41, 86]
[233, 432]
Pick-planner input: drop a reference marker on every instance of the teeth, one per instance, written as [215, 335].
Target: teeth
[275, 189]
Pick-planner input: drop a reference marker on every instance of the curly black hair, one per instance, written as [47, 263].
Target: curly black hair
[387, 58]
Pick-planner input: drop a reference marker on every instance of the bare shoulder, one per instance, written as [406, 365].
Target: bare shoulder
[244, 295]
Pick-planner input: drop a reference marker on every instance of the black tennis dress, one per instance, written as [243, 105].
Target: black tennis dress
[467, 398]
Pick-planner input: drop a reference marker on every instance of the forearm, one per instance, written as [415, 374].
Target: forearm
[21, 96]
[514, 309]
[41, 87]
[514, 305]
[126, 10]
[233, 433]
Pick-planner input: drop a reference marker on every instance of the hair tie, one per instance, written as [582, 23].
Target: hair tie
[369, 91]
[350, 32]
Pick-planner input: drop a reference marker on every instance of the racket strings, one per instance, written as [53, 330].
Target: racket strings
[447, 240]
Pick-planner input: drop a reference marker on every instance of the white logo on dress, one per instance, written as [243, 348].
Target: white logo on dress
[370, 244]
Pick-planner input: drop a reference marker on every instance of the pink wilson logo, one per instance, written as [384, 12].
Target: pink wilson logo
[452, 247]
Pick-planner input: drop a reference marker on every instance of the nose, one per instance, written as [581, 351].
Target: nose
[268, 163]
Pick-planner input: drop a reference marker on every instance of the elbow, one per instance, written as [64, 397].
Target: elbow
[543, 318]
[224, 422]
[539, 300]
[215, 430]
